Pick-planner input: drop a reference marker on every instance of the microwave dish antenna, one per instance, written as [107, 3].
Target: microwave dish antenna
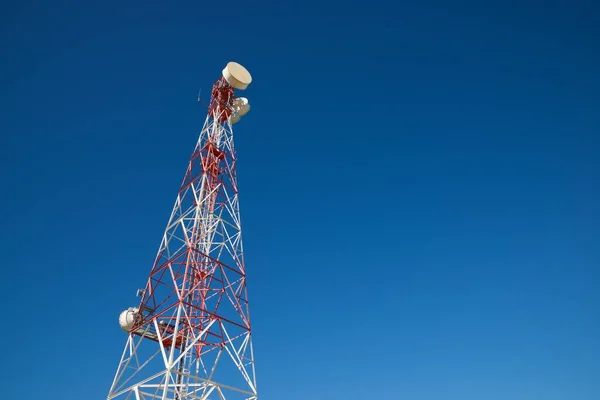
[237, 76]
[241, 105]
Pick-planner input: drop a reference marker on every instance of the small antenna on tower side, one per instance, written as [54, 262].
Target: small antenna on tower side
[200, 99]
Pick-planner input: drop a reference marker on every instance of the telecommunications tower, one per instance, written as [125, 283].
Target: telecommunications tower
[190, 335]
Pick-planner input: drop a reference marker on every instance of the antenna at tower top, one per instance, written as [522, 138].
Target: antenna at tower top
[237, 76]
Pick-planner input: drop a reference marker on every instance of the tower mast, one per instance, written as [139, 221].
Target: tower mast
[190, 335]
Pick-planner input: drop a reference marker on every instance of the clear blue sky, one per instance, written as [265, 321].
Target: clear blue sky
[419, 188]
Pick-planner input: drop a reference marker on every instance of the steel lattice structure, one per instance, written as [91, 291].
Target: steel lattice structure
[190, 336]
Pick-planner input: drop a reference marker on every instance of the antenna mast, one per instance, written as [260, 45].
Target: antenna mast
[190, 335]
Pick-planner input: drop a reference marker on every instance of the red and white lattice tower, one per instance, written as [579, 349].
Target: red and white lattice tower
[190, 336]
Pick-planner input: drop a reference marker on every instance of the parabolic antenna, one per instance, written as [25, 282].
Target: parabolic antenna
[242, 106]
[237, 76]
[127, 318]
